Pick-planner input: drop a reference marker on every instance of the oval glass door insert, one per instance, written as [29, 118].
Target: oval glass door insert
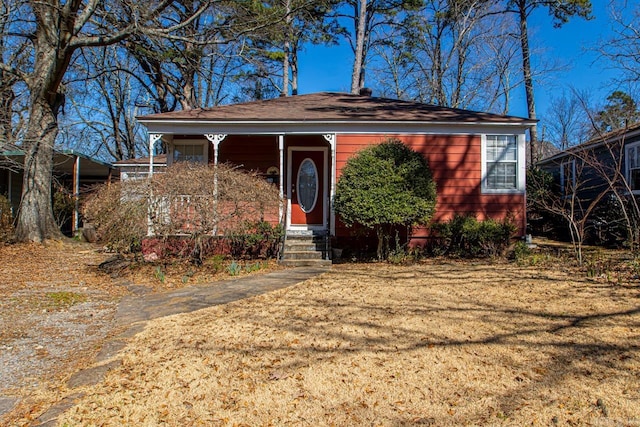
[307, 185]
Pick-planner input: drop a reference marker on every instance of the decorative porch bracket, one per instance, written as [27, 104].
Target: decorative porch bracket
[215, 139]
[331, 139]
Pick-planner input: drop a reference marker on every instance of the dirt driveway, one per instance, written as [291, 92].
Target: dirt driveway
[56, 310]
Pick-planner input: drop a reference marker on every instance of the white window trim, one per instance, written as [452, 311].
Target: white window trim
[204, 143]
[627, 164]
[520, 166]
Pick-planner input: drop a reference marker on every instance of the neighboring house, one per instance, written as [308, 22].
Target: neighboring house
[72, 171]
[301, 143]
[134, 169]
[597, 162]
[588, 174]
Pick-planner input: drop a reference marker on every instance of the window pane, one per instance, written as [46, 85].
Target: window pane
[501, 176]
[501, 147]
[501, 158]
[188, 153]
[307, 185]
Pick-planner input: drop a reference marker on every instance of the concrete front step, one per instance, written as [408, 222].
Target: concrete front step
[304, 246]
[305, 250]
[305, 240]
[304, 254]
[305, 262]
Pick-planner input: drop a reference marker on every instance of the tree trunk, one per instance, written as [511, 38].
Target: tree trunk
[7, 97]
[528, 79]
[358, 61]
[286, 61]
[294, 70]
[35, 217]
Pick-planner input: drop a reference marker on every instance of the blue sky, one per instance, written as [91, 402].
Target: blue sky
[329, 68]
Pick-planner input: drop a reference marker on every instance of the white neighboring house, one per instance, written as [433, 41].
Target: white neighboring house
[135, 169]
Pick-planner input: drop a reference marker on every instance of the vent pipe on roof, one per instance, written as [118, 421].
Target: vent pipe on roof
[365, 91]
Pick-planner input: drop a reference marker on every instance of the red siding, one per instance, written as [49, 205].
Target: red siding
[254, 152]
[455, 162]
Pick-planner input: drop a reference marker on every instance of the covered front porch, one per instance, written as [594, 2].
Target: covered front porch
[302, 166]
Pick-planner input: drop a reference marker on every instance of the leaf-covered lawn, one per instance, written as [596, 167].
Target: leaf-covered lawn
[371, 344]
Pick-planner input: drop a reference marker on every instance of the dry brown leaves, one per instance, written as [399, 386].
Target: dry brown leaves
[175, 274]
[57, 308]
[441, 343]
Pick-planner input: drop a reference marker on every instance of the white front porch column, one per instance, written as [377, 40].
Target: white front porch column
[76, 195]
[153, 138]
[281, 183]
[331, 139]
[215, 139]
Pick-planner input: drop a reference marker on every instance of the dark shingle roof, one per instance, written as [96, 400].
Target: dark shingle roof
[334, 107]
[632, 131]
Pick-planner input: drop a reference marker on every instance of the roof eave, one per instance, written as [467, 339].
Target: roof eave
[590, 145]
[146, 121]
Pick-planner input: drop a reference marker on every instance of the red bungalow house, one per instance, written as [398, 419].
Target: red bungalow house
[477, 159]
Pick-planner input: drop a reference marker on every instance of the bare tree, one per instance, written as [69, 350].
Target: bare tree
[595, 189]
[102, 108]
[367, 21]
[52, 31]
[621, 49]
[561, 11]
[452, 54]
[574, 200]
[606, 155]
[566, 121]
[609, 165]
[11, 107]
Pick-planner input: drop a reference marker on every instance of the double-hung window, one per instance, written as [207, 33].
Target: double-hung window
[501, 163]
[633, 166]
[190, 152]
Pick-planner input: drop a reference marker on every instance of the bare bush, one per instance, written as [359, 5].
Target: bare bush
[118, 212]
[199, 200]
[195, 201]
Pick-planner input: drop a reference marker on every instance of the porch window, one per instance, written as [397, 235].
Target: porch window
[500, 163]
[633, 166]
[189, 153]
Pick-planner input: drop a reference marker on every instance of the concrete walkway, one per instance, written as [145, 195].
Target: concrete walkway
[134, 311]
